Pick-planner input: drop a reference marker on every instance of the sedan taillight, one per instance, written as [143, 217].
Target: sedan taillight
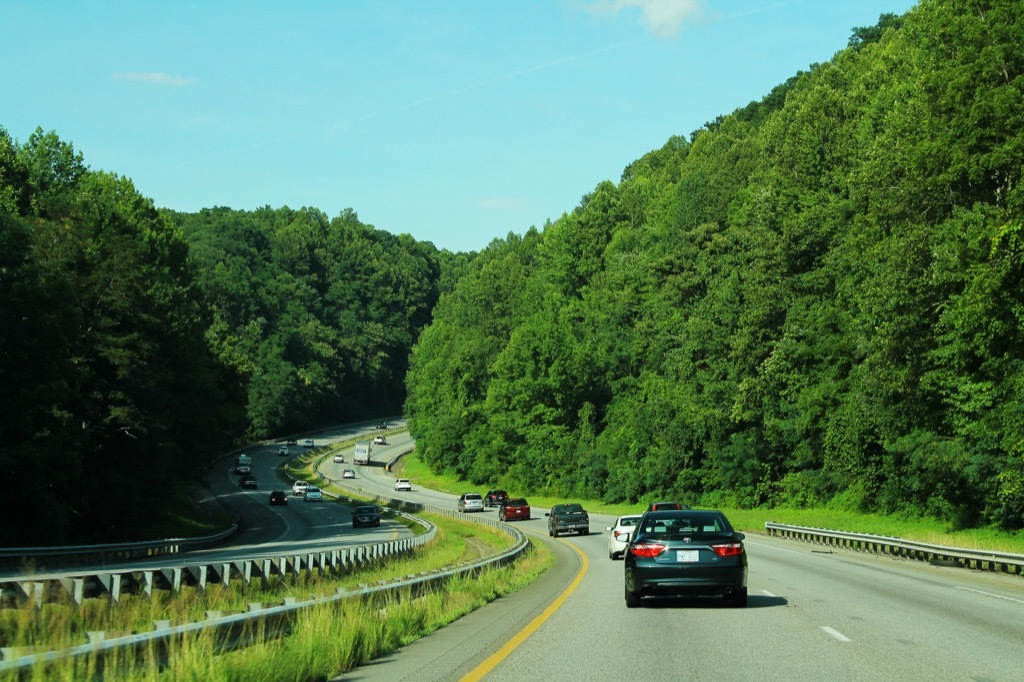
[730, 549]
[647, 549]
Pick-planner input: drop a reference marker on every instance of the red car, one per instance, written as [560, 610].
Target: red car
[514, 509]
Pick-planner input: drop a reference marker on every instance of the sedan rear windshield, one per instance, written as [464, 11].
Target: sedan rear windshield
[684, 523]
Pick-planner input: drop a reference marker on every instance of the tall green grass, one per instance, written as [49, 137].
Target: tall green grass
[323, 641]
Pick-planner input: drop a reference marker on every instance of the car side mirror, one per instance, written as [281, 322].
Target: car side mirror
[547, 514]
[739, 536]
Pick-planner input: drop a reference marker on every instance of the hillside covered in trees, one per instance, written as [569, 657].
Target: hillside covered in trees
[815, 300]
[138, 345]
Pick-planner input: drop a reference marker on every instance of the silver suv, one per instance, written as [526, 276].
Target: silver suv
[469, 502]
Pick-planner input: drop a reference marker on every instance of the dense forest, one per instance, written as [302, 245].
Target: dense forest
[815, 300]
[138, 345]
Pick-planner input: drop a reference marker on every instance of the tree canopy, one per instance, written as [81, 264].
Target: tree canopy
[815, 300]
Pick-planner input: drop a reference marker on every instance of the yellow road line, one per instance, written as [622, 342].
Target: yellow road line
[498, 656]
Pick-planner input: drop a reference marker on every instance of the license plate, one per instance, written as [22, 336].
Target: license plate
[687, 555]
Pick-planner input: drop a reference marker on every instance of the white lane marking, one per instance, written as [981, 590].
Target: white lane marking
[989, 594]
[835, 633]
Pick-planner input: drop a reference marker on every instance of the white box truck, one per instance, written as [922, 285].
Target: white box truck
[362, 455]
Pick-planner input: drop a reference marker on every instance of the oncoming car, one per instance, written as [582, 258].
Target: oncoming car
[313, 494]
[278, 497]
[348, 473]
[685, 553]
[403, 484]
[380, 440]
[471, 502]
[365, 515]
[618, 535]
[299, 488]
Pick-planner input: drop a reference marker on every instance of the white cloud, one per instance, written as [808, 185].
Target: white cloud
[154, 77]
[664, 18]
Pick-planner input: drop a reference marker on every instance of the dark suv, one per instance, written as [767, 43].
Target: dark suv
[495, 498]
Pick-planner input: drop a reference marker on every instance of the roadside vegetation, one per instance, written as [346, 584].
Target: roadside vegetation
[811, 302]
[324, 640]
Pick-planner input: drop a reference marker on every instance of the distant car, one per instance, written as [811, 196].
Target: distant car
[495, 498]
[248, 482]
[339, 458]
[278, 497]
[308, 443]
[618, 535]
[283, 451]
[517, 508]
[469, 502]
[382, 425]
[313, 494]
[365, 515]
[292, 441]
[380, 440]
[662, 506]
[685, 553]
[403, 484]
[243, 469]
[348, 473]
[299, 488]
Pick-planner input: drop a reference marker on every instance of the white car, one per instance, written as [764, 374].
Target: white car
[309, 443]
[403, 484]
[283, 451]
[380, 440]
[299, 488]
[339, 458]
[618, 535]
[313, 494]
[348, 473]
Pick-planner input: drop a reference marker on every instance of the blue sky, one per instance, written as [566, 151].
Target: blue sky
[454, 121]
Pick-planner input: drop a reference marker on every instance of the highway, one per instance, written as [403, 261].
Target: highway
[815, 613]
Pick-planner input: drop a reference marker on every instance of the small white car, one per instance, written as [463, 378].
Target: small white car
[348, 473]
[313, 494]
[299, 488]
[403, 484]
[380, 440]
[339, 458]
[283, 451]
[618, 535]
[309, 443]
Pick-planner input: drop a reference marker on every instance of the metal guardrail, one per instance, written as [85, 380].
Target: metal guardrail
[12, 557]
[982, 560]
[163, 633]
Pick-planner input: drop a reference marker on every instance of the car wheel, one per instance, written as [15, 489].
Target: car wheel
[585, 532]
[611, 555]
[738, 599]
[632, 600]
